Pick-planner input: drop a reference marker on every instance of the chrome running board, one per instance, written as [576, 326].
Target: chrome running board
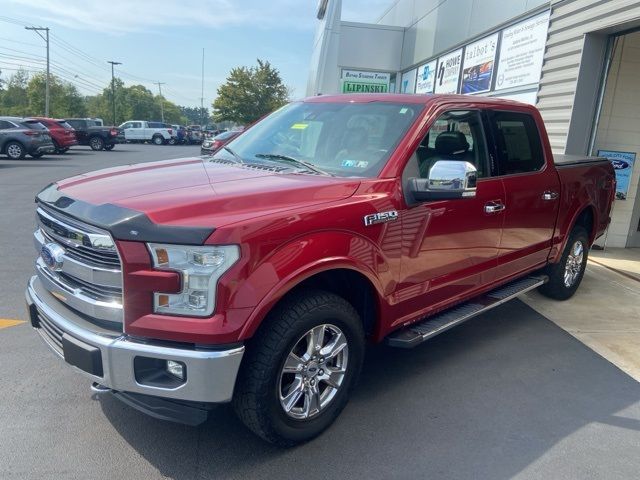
[417, 333]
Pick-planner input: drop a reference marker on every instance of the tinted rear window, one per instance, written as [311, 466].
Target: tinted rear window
[64, 124]
[225, 135]
[34, 125]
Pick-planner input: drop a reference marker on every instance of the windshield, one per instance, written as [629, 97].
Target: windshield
[344, 139]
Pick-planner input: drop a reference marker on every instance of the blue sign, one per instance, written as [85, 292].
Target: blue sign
[623, 165]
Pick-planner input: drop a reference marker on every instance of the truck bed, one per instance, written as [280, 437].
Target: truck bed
[571, 160]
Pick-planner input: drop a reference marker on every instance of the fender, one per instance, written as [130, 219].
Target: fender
[563, 230]
[307, 256]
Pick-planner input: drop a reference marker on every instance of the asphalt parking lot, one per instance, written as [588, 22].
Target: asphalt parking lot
[507, 395]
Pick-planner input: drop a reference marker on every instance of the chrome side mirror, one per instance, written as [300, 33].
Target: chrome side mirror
[448, 180]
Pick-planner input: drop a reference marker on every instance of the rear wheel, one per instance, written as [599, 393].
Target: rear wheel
[96, 143]
[157, 139]
[300, 369]
[109, 146]
[15, 151]
[566, 275]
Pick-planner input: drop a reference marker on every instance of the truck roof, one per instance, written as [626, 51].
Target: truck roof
[421, 99]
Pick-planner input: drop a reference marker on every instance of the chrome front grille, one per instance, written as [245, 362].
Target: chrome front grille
[86, 243]
[86, 273]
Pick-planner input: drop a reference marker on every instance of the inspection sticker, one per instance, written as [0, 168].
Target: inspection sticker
[299, 126]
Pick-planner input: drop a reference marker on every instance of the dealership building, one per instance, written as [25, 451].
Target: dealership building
[578, 61]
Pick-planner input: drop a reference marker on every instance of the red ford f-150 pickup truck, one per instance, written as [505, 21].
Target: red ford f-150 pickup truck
[258, 274]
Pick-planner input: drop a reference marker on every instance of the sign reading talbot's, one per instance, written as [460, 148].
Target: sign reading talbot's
[354, 81]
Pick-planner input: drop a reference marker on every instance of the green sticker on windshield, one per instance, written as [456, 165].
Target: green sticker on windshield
[403, 110]
[299, 126]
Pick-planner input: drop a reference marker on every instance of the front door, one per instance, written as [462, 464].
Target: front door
[532, 193]
[450, 247]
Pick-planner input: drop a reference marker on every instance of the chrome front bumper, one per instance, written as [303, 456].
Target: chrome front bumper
[210, 374]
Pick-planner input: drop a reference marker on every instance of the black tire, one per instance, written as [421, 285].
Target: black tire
[257, 396]
[158, 140]
[109, 146]
[15, 151]
[563, 279]
[96, 143]
[172, 141]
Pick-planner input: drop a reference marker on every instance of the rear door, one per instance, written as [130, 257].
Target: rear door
[532, 192]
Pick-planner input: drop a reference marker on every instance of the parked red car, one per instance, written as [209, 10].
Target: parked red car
[62, 134]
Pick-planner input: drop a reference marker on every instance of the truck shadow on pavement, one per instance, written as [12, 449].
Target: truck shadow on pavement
[486, 400]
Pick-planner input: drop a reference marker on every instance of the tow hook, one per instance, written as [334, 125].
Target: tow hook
[97, 388]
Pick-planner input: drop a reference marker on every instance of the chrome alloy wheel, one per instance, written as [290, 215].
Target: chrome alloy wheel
[14, 150]
[313, 372]
[574, 264]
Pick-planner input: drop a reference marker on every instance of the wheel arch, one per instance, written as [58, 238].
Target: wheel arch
[342, 278]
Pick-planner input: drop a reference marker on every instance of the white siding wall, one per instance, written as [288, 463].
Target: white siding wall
[570, 21]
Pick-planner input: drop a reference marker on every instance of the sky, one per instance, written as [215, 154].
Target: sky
[162, 40]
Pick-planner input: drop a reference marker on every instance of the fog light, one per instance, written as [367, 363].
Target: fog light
[177, 369]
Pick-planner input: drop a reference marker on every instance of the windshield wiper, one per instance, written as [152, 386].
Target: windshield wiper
[300, 163]
[235, 155]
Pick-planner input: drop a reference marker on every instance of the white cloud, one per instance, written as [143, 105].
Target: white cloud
[127, 16]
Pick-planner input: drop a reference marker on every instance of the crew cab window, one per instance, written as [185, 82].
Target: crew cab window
[77, 124]
[4, 125]
[455, 135]
[517, 143]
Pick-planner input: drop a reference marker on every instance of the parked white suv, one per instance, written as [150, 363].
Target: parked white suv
[140, 131]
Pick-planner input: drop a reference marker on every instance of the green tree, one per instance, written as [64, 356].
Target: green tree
[195, 115]
[64, 98]
[250, 93]
[14, 99]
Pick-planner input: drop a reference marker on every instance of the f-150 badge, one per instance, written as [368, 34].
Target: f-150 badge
[380, 217]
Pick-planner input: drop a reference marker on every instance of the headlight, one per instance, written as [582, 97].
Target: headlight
[200, 268]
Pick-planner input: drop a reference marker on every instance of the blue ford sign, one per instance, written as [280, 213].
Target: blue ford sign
[622, 163]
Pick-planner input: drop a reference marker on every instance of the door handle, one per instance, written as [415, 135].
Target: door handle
[549, 195]
[494, 207]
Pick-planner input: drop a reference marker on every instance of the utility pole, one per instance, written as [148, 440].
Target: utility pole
[161, 100]
[113, 89]
[202, 92]
[46, 88]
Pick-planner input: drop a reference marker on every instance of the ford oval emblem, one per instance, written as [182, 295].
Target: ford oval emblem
[619, 164]
[52, 255]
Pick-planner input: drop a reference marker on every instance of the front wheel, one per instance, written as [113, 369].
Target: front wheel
[110, 146]
[300, 369]
[566, 275]
[96, 143]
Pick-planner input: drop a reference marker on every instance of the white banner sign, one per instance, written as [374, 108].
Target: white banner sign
[408, 82]
[522, 52]
[448, 73]
[479, 64]
[426, 77]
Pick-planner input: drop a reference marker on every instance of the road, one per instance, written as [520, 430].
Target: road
[508, 395]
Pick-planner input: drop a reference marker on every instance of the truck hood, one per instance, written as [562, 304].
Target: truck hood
[196, 192]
